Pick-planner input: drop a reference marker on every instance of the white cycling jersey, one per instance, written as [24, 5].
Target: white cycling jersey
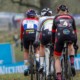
[45, 22]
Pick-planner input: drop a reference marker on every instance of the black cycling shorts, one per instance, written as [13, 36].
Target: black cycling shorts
[59, 41]
[27, 39]
[45, 37]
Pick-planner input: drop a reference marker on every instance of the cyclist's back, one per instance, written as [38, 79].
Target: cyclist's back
[65, 27]
[45, 26]
[30, 26]
[45, 20]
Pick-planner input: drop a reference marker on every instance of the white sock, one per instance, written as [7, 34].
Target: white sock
[41, 61]
[37, 57]
[26, 62]
[47, 62]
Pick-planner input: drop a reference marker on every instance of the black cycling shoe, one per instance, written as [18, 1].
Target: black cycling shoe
[26, 72]
[73, 71]
[41, 69]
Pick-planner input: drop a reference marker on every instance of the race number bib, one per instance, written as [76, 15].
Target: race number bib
[30, 26]
[64, 23]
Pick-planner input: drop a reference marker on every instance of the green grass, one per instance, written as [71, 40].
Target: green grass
[18, 54]
[78, 34]
[8, 37]
[13, 77]
[22, 77]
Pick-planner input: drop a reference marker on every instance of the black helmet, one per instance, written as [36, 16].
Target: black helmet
[46, 12]
[31, 13]
[62, 8]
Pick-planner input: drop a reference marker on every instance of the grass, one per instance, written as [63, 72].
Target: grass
[22, 77]
[13, 77]
[8, 37]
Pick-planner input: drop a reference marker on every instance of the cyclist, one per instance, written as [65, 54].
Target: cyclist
[63, 28]
[45, 26]
[28, 33]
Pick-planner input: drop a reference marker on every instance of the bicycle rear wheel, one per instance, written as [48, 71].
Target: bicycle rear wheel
[69, 72]
[54, 73]
[36, 73]
[31, 62]
[66, 67]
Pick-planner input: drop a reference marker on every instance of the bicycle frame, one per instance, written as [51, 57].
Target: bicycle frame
[66, 67]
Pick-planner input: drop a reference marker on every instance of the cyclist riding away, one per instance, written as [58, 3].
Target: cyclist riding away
[63, 29]
[28, 33]
[45, 26]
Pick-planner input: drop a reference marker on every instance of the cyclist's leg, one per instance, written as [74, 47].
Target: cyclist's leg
[47, 56]
[57, 53]
[26, 56]
[37, 56]
[71, 54]
[36, 45]
[37, 53]
[42, 53]
[42, 50]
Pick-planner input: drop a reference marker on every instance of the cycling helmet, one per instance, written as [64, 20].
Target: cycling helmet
[62, 8]
[46, 12]
[31, 13]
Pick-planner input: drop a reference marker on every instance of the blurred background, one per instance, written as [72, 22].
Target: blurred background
[11, 15]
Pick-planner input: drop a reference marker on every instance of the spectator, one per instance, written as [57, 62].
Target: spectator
[16, 39]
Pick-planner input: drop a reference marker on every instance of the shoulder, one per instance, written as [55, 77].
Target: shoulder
[71, 16]
[41, 19]
[24, 19]
[56, 16]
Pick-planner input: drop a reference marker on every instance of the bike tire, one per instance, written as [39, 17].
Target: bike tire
[31, 63]
[69, 72]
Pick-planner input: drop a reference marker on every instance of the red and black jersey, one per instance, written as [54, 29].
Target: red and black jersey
[62, 21]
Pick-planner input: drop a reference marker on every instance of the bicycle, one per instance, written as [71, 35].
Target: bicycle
[33, 64]
[51, 71]
[42, 74]
[49, 65]
[48, 51]
[65, 63]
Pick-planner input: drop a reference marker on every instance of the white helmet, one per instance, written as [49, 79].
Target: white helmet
[46, 12]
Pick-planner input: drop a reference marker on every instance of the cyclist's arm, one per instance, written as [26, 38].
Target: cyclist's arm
[74, 26]
[21, 32]
[75, 30]
[53, 31]
[37, 35]
[38, 31]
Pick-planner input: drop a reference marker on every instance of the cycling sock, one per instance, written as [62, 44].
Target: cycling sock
[37, 57]
[72, 60]
[41, 61]
[26, 62]
[47, 63]
[59, 76]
